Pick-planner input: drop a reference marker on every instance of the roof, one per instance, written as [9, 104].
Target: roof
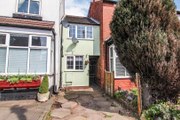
[112, 1]
[81, 20]
[25, 23]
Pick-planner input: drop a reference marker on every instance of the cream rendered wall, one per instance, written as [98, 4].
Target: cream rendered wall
[84, 47]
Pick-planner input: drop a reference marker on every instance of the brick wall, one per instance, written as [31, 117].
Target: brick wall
[103, 13]
[124, 84]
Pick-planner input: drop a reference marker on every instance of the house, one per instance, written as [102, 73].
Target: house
[102, 10]
[30, 38]
[80, 46]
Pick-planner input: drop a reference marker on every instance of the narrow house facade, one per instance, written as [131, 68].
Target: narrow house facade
[30, 38]
[102, 10]
[80, 45]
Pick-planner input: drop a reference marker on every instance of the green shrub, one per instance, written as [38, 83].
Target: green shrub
[44, 87]
[162, 111]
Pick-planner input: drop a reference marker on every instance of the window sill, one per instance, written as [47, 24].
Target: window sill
[74, 71]
[85, 39]
[123, 77]
[27, 16]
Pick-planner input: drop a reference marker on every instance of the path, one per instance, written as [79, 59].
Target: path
[87, 105]
[24, 109]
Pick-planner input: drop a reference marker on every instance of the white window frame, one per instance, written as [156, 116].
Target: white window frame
[76, 25]
[28, 9]
[114, 64]
[111, 58]
[29, 47]
[74, 63]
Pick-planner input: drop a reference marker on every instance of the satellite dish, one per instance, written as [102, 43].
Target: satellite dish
[74, 40]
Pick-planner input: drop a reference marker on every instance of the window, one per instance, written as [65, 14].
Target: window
[38, 41]
[89, 32]
[81, 31]
[2, 39]
[3, 50]
[29, 6]
[111, 59]
[2, 59]
[38, 61]
[17, 62]
[74, 63]
[72, 31]
[19, 40]
[24, 54]
[114, 65]
[70, 62]
[79, 62]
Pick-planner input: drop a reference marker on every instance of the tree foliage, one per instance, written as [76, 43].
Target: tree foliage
[146, 34]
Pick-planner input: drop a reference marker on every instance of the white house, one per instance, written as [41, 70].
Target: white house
[30, 38]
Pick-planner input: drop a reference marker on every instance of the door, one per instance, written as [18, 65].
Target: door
[93, 69]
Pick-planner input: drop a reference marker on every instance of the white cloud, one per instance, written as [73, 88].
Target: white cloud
[77, 7]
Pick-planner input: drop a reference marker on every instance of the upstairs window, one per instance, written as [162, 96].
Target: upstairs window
[81, 31]
[72, 31]
[29, 6]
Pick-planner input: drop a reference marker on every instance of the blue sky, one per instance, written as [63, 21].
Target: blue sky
[80, 7]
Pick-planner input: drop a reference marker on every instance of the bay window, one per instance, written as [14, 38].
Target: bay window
[74, 62]
[114, 65]
[81, 31]
[29, 6]
[2, 59]
[24, 54]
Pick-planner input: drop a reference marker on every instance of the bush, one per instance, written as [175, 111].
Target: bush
[162, 111]
[44, 87]
[128, 96]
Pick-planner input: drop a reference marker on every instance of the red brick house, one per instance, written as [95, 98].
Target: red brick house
[102, 10]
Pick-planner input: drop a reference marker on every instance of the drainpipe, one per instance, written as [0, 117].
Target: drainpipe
[55, 78]
[64, 24]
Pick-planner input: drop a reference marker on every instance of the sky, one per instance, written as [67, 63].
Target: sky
[80, 7]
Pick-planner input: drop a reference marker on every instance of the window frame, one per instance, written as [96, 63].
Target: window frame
[114, 64]
[28, 9]
[74, 63]
[29, 48]
[76, 27]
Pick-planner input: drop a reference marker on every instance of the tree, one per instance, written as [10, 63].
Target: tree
[146, 34]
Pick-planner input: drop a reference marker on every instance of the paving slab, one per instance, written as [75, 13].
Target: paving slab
[24, 109]
[60, 113]
[62, 100]
[92, 106]
[69, 105]
[79, 118]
